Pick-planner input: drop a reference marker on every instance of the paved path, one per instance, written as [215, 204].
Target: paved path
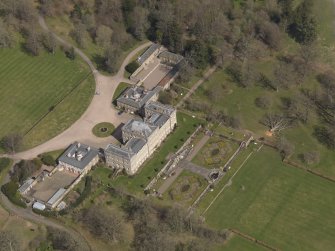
[168, 182]
[202, 171]
[196, 85]
[99, 110]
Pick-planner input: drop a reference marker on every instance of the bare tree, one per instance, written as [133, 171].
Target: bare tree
[103, 36]
[33, 44]
[11, 142]
[6, 39]
[9, 241]
[285, 148]
[312, 157]
[275, 122]
[49, 42]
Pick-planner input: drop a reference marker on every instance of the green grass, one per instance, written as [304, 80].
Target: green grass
[237, 243]
[119, 89]
[304, 141]
[324, 13]
[55, 154]
[98, 129]
[225, 149]
[285, 207]
[186, 126]
[31, 86]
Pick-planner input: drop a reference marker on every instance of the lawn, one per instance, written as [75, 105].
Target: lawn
[103, 129]
[324, 13]
[50, 90]
[186, 125]
[304, 141]
[186, 188]
[285, 207]
[237, 243]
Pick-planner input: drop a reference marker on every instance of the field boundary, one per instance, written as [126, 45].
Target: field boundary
[52, 108]
[301, 167]
[254, 240]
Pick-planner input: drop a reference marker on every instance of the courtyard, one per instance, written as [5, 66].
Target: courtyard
[46, 188]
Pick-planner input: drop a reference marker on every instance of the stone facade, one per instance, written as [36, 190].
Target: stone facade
[141, 137]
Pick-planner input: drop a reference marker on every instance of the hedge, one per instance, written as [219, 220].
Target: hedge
[85, 193]
[132, 67]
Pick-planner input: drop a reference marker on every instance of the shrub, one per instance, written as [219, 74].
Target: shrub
[10, 190]
[48, 160]
[85, 193]
[132, 67]
[46, 213]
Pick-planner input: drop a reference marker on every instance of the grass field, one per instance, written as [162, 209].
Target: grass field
[31, 87]
[186, 125]
[285, 207]
[237, 243]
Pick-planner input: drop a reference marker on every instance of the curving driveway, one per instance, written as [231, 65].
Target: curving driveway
[100, 109]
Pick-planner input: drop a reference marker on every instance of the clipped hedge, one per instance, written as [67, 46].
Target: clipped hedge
[10, 190]
[132, 67]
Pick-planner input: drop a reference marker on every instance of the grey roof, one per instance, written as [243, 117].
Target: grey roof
[176, 58]
[56, 196]
[25, 185]
[78, 155]
[137, 96]
[39, 205]
[160, 108]
[157, 119]
[138, 127]
[135, 144]
[141, 59]
[119, 151]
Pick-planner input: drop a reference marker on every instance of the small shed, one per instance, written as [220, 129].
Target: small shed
[39, 206]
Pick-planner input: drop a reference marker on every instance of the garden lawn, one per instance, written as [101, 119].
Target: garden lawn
[287, 208]
[216, 152]
[186, 125]
[31, 87]
[186, 188]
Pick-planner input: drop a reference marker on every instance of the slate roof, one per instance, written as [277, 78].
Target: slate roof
[78, 155]
[25, 185]
[56, 196]
[135, 144]
[160, 108]
[141, 59]
[157, 119]
[132, 147]
[117, 150]
[137, 96]
[138, 127]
